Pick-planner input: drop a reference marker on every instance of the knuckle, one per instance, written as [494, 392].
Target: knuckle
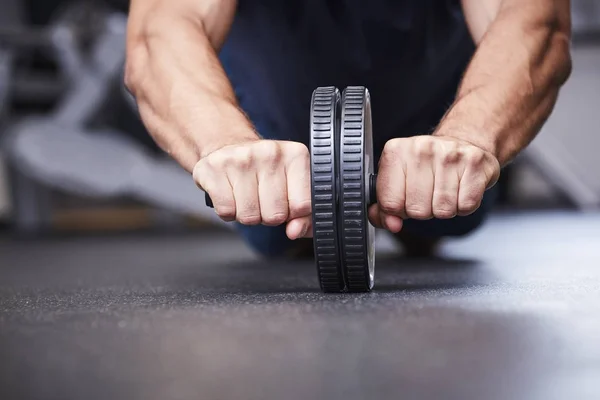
[251, 219]
[220, 158]
[444, 207]
[225, 212]
[391, 147]
[476, 158]
[444, 213]
[295, 151]
[469, 205]
[275, 219]
[391, 206]
[297, 148]
[248, 210]
[418, 213]
[242, 159]
[216, 161]
[423, 147]
[300, 207]
[450, 156]
[270, 151]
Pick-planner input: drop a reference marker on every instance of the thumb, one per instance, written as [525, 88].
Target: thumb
[375, 216]
[299, 228]
[379, 219]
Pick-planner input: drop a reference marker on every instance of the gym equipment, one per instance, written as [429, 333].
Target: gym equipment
[68, 40]
[343, 186]
[103, 164]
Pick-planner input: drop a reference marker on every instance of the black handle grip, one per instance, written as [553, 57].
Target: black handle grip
[372, 189]
[208, 200]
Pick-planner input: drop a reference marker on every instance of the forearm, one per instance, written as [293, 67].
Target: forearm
[183, 94]
[512, 83]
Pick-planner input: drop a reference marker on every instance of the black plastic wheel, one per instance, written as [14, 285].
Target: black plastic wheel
[324, 135]
[357, 235]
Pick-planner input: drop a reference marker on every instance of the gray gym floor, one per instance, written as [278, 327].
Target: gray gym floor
[512, 312]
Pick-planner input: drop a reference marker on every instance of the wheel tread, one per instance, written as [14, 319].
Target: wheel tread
[324, 109]
[355, 230]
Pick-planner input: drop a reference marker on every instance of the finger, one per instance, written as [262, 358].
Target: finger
[446, 182]
[299, 228]
[392, 223]
[298, 183]
[420, 180]
[245, 192]
[379, 219]
[273, 196]
[374, 213]
[471, 190]
[216, 184]
[391, 180]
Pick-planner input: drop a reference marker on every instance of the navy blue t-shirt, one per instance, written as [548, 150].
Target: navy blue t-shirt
[410, 54]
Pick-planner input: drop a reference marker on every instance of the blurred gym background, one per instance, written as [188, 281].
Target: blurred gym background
[75, 158]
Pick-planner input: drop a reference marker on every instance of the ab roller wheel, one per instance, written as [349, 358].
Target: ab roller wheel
[341, 149]
[343, 186]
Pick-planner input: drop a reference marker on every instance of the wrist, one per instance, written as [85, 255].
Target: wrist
[232, 127]
[474, 138]
[473, 130]
[215, 145]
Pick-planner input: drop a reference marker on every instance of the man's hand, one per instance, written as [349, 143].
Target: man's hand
[426, 177]
[260, 182]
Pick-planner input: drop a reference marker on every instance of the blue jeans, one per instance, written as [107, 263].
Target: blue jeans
[411, 57]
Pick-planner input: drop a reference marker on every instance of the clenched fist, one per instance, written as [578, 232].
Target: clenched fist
[260, 182]
[426, 177]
